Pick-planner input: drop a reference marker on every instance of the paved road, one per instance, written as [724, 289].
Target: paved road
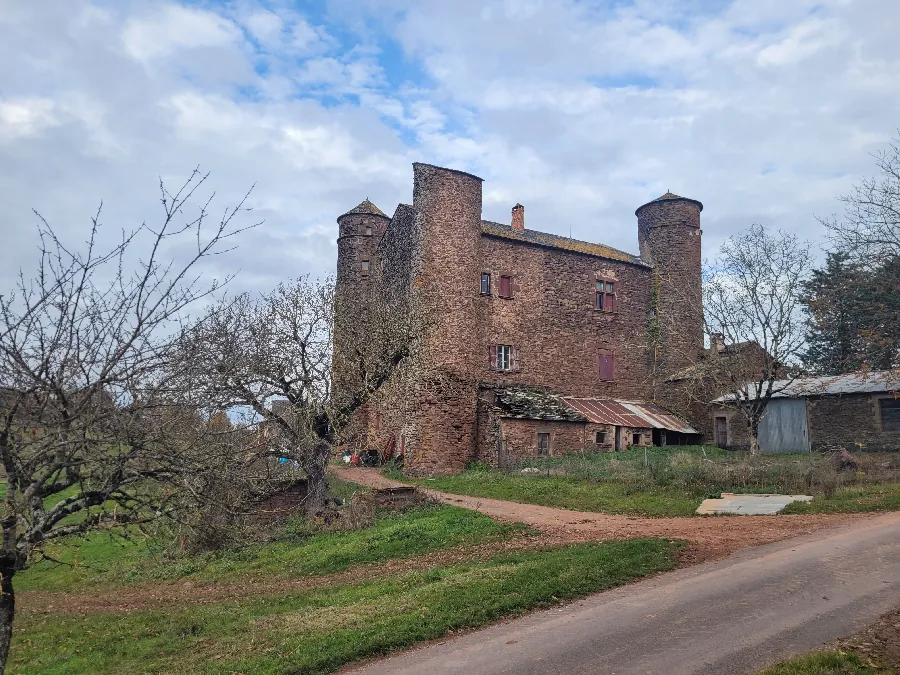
[732, 616]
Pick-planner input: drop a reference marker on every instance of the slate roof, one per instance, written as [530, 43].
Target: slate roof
[533, 403]
[555, 241]
[669, 197]
[366, 207]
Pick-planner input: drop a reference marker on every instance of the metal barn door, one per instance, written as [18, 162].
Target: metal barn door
[783, 429]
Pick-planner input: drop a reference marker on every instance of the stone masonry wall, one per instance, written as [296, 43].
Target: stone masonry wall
[553, 322]
[447, 207]
[851, 421]
[521, 437]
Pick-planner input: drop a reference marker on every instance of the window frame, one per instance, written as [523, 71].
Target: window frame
[486, 277]
[504, 365]
[367, 231]
[365, 266]
[600, 437]
[636, 437]
[605, 295]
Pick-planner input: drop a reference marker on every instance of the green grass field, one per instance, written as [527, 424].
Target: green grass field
[102, 561]
[305, 630]
[659, 482]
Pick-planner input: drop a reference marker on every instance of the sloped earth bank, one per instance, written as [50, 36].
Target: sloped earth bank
[710, 538]
[713, 537]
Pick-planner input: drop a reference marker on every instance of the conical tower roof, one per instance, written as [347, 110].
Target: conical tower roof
[366, 207]
[669, 197]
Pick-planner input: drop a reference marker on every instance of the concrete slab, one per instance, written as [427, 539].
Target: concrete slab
[749, 505]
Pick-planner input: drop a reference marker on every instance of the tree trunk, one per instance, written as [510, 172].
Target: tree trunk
[315, 474]
[753, 432]
[7, 610]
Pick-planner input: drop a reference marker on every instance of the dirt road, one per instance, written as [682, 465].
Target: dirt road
[730, 616]
[713, 537]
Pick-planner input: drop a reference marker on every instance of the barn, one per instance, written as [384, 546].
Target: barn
[858, 410]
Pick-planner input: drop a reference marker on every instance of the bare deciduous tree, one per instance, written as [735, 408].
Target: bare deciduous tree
[301, 360]
[870, 228]
[86, 346]
[752, 304]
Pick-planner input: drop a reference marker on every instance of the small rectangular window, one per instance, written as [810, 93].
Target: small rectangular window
[485, 283]
[601, 438]
[543, 445]
[635, 439]
[364, 265]
[506, 286]
[890, 413]
[606, 295]
[504, 354]
[368, 230]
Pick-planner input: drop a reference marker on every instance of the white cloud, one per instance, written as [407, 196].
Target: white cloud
[173, 28]
[25, 117]
[762, 109]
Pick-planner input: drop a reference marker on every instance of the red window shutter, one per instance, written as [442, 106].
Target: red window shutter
[492, 356]
[612, 367]
[504, 287]
[514, 359]
[606, 367]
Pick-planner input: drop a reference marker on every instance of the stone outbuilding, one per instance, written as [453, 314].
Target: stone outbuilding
[851, 411]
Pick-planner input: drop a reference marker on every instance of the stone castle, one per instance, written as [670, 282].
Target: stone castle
[555, 344]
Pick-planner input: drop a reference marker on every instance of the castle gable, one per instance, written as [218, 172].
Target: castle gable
[555, 241]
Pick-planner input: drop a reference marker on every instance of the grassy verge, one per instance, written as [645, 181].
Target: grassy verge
[856, 499]
[821, 663]
[567, 493]
[101, 561]
[319, 630]
[673, 481]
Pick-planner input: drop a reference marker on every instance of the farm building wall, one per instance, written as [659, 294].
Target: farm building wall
[851, 421]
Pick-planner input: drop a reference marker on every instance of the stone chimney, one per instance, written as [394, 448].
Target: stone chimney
[717, 343]
[518, 217]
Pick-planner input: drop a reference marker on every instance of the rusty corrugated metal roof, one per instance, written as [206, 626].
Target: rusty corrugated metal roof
[606, 411]
[556, 241]
[637, 414]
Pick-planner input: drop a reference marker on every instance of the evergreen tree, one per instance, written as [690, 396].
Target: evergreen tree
[853, 316]
[831, 296]
[880, 324]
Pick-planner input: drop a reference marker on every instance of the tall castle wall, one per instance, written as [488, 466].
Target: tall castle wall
[553, 321]
[447, 206]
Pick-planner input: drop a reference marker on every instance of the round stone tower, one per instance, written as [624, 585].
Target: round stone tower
[447, 205]
[359, 232]
[669, 238]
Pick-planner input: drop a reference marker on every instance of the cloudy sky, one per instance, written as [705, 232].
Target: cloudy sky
[765, 110]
